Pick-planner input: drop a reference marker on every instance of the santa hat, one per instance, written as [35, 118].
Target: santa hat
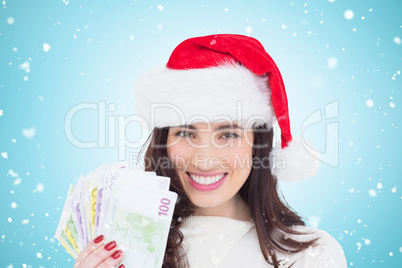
[225, 77]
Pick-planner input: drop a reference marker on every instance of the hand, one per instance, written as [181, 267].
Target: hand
[100, 255]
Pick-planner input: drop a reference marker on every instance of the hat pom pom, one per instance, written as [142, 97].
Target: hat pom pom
[296, 162]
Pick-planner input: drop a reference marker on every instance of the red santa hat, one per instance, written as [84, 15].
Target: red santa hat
[225, 77]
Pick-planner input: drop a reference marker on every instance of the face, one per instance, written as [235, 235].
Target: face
[212, 160]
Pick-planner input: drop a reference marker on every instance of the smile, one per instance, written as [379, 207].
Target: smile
[206, 180]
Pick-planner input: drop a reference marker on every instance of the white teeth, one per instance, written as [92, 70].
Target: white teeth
[213, 179]
[206, 180]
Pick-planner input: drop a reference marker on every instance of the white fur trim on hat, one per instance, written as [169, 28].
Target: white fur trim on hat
[229, 92]
[298, 161]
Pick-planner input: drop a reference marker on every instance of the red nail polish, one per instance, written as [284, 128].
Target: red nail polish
[111, 245]
[122, 266]
[98, 239]
[117, 254]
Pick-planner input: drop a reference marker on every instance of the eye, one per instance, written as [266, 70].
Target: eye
[184, 133]
[230, 135]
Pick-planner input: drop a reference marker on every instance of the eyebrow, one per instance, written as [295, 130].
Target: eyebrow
[229, 126]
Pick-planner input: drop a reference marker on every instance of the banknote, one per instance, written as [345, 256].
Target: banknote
[86, 205]
[93, 194]
[128, 205]
[75, 208]
[82, 188]
[102, 171]
[139, 220]
[66, 232]
[143, 178]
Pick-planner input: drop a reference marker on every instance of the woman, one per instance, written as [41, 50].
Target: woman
[212, 110]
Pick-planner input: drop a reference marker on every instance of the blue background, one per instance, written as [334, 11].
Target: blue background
[99, 48]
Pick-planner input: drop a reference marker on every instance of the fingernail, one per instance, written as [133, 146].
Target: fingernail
[117, 254]
[122, 266]
[98, 239]
[111, 245]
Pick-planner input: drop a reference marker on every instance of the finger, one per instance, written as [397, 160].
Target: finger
[113, 260]
[100, 255]
[90, 248]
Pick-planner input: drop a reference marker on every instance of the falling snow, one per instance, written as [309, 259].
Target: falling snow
[369, 103]
[29, 133]
[17, 182]
[348, 14]
[331, 41]
[332, 62]
[40, 188]
[12, 173]
[10, 20]
[25, 66]
[46, 47]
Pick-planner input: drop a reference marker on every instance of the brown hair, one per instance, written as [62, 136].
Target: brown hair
[260, 192]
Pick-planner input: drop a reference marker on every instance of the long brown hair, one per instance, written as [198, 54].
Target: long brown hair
[260, 192]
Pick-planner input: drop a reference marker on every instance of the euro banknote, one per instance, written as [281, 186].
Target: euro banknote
[130, 206]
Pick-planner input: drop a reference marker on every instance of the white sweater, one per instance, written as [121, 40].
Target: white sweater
[212, 241]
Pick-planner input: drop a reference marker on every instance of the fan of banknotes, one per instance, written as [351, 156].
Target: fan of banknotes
[130, 206]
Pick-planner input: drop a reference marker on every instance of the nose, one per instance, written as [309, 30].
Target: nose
[206, 159]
